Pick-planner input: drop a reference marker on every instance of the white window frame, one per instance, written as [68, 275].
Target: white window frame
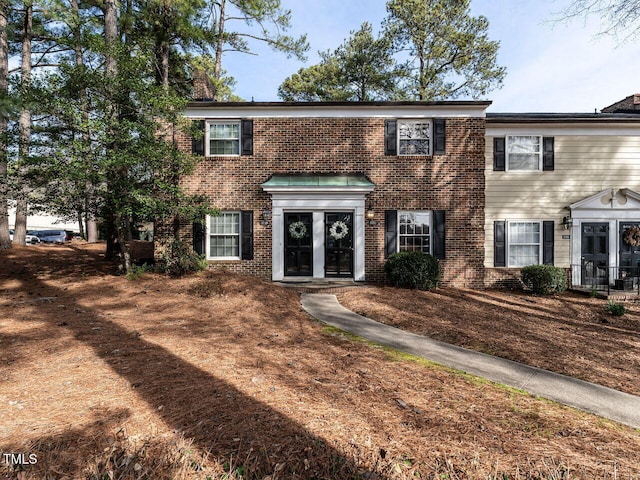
[208, 137]
[509, 142]
[400, 121]
[429, 213]
[210, 234]
[509, 244]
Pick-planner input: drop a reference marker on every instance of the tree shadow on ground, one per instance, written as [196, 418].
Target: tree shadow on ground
[195, 404]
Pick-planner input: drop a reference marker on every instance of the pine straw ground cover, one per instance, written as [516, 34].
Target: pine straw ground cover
[571, 334]
[224, 376]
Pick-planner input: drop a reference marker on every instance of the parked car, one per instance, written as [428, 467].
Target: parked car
[29, 239]
[51, 236]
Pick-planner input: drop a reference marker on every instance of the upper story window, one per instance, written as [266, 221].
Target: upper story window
[524, 152]
[224, 137]
[414, 137]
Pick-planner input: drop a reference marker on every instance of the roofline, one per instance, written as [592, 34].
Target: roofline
[527, 118]
[406, 103]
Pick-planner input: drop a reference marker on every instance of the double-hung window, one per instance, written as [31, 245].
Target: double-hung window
[524, 152]
[414, 137]
[224, 236]
[224, 137]
[414, 231]
[524, 243]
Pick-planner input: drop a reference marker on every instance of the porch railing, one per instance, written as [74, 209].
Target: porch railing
[603, 278]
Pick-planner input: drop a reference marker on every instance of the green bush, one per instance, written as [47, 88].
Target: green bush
[179, 259]
[544, 279]
[413, 270]
[615, 309]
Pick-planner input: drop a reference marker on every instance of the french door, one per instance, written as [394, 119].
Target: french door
[595, 253]
[298, 244]
[338, 244]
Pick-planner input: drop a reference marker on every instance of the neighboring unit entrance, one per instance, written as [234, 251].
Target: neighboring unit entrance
[595, 253]
[298, 244]
[629, 253]
[338, 244]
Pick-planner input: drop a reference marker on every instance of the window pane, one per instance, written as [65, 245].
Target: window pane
[522, 161]
[224, 147]
[224, 130]
[524, 243]
[414, 228]
[414, 147]
[414, 137]
[224, 235]
[523, 255]
[524, 152]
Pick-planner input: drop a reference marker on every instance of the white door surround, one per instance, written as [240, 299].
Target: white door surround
[318, 200]
[609, 206]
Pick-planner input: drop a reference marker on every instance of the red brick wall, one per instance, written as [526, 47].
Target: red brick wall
[453, 182]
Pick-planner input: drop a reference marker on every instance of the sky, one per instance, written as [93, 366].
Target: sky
[551, 66]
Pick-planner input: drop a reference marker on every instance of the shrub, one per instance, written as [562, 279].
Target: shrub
[615, 309]
[413, 270]
[544, 279]
[179, 259]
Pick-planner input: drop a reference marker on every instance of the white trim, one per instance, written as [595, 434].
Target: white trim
[607, 207]
[429, 137]
[508, 240]
[428, 212]
[507, 154]
[208, 237]
[568, 129]
[207, 135]
[332, 111]
[318, 202]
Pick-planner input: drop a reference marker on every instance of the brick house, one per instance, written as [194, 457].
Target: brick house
[329, 190]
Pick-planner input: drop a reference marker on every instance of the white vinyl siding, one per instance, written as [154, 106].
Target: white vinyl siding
[224, 236]
[414, 231]
[414, 137]
[584, 165]
[524, 152]
[524, 243]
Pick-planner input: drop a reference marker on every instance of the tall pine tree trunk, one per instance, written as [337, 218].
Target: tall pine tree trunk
[116, 235]
[24, 126]
[5, 241]
[91, 232]
[217, 67]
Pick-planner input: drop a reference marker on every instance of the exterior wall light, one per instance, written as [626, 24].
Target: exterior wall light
[567, 222]
[371, 215]
[265, 217]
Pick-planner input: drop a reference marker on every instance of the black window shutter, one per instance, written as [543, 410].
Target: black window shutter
[247, 137]
[199, 239]
[547, 242]
[197, 144]
[547, 154]
[439, 136]
[499, 244]
[390, 137]
[246, 229]
[391, 232]
[438, 234]
[499, 154]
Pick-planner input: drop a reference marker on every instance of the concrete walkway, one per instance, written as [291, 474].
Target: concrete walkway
[603, 401]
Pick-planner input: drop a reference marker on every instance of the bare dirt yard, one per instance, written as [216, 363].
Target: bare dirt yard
[218, 375]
